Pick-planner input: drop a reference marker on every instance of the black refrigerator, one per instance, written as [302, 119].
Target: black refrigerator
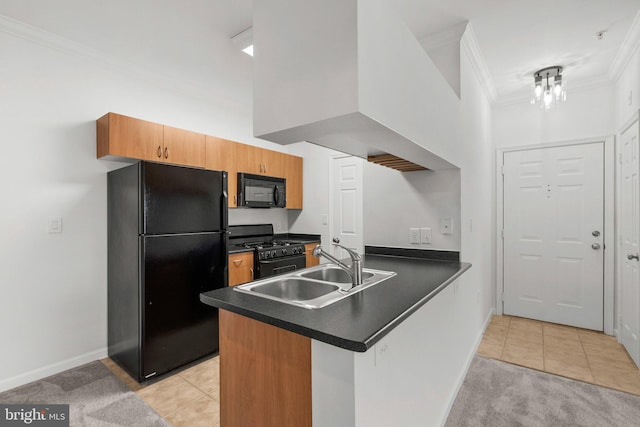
[167, 243]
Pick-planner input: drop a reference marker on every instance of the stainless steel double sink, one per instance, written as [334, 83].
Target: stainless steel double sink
[314, 287]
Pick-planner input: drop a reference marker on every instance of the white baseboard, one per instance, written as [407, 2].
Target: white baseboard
[467, 365]
[52, 369]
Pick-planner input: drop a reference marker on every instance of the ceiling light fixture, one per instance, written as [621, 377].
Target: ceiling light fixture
[549, 87]
[244, 41]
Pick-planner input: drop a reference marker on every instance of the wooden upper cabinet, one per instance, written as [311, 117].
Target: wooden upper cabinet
[274, 163]
[293, 174]
[124, 136]
[221, 155]
[249, 159]
[260, 161]
[183, 147]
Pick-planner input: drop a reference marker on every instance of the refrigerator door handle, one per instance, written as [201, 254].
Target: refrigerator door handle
[224, 205]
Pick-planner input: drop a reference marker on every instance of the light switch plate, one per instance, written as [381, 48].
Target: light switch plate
[425, 235]
[414, 235]
[446, 226]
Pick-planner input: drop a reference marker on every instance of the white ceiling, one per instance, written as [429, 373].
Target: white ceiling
[190, 42]
[518, 37]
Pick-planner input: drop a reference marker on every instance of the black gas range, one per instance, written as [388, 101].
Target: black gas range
[271, 256]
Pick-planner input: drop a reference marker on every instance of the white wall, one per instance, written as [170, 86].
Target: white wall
[627, 91]
[627, 104]
[409, 378]
[53, 309]
[396, 201]
[477, 222]
[587, 113]
[316, 190]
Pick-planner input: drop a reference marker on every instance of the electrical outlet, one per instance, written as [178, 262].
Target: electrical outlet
[425, 235]
[414, 235]
[446, 226]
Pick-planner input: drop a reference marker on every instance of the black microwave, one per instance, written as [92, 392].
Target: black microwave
[257, 191]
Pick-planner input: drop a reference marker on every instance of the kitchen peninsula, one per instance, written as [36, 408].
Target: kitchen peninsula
[366, 360]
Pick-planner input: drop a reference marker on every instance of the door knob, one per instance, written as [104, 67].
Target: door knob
[632, 256]
[336, 240]
[595, 246]
[595, 233]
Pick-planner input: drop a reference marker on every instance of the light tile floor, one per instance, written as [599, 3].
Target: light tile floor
[189, 398]
[562, 350]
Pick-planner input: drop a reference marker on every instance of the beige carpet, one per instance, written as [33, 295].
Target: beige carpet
[496, 393]
[95, 396]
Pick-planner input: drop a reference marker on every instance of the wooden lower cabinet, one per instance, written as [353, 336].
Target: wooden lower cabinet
[308, 250]
[240, 268]
[265, 374]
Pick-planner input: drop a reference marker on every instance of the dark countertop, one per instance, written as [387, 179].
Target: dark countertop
[359, 321]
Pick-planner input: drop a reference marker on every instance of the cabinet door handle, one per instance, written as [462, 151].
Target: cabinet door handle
[265, 168]
[251, 270]
[166, 152]
[235, 199]
[237, 262]
[159, 152]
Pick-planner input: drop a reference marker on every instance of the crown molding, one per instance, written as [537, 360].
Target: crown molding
[627, 49]
[446, 37]
[524, 96]
[470, 45]
[106, 61]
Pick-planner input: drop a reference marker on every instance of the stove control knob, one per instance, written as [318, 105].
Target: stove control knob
[284, 251]
[273, 254]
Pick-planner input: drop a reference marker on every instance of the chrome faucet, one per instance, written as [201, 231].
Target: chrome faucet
[355, 270]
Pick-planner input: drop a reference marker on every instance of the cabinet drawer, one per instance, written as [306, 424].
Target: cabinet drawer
[240, 268]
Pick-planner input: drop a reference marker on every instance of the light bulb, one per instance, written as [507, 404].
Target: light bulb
[557, 90]
[538, 91]
[548, 98]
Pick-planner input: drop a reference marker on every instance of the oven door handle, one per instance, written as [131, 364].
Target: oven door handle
[290, 258]
[276, 195]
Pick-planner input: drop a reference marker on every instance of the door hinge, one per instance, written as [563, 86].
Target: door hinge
[502, 234]
[502, 296]
[620, 158]
[502, 169]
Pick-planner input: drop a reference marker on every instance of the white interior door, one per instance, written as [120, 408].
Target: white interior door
[347, 205]
[630, 234]
[553, 234]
